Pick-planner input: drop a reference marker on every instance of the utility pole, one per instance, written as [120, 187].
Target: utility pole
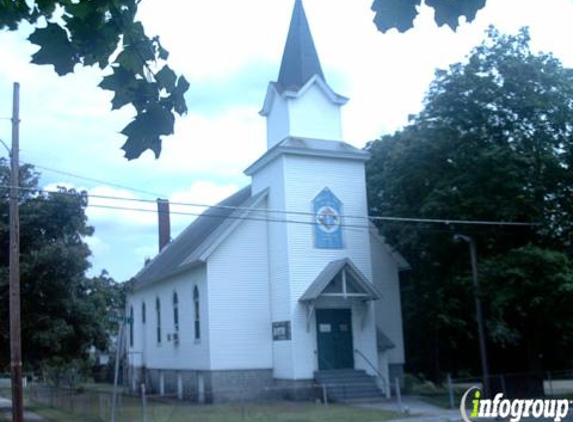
[479, 315]
[15, 340]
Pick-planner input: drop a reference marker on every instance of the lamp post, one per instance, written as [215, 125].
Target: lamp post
[479, 315]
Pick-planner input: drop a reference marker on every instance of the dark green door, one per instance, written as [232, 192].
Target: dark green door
[334, 338]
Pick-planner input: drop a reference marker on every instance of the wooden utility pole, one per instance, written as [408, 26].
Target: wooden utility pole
[479, 315]
[15, 340]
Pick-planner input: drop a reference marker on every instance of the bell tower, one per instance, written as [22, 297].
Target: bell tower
[301, 103]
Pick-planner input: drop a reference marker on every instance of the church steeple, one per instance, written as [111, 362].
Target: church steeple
[301, 104]
[300, 60]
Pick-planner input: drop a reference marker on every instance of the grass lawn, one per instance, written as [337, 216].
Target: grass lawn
[87, 408]
[270, 412]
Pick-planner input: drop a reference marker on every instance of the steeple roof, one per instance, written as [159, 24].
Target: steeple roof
[300, 60]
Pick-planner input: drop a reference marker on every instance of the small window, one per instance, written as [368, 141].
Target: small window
[158, 318]
[131, 326]
[176, 312]
[143, 313]
[196, 313]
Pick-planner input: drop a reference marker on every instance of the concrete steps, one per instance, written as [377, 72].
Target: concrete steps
[348, 384]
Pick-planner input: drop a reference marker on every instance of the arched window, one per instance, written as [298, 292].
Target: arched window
[143, 313]
[131, 326]
[196, 313]
[158, 318]
[176, 312]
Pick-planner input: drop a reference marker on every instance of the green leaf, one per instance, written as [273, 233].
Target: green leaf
[447, 12]
[55, 49]
[178, 96]
[166, 78]
[161, 52]
[130, 59]
[12, 13]
[121, 82]
[145, 132]
[400, 14]
[397, 14]
[79, 10]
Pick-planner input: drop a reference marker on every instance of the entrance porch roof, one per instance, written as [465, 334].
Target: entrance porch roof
[362, 288]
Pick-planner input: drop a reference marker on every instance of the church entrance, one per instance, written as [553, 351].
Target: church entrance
[334, 339]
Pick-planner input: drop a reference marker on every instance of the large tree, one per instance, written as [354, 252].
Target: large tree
[64, 312]
[493, 142]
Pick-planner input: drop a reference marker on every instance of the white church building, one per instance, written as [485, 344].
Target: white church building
[284, 285]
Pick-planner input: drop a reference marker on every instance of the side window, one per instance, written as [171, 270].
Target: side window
[176, 312]
[158, 318]
[143, 313]
[131, 326]
[196, 313]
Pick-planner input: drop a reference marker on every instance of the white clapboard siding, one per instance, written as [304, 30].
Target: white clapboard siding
[272, 177]
[188, 353]
[306, 177]
[240, 316]
[389, 308]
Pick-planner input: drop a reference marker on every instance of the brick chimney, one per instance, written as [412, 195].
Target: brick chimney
[164, 223]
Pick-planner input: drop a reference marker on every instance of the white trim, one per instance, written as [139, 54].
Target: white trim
[332, 96]
[222, 232]
[279, 150]
[324, 87]
[269, 96]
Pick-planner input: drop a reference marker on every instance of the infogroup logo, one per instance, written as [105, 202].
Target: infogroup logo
[514, 409]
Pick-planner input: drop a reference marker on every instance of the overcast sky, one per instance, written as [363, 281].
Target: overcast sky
[229, 51]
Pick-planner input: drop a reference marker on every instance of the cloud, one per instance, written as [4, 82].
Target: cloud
[200, 193]
[228, 51]
[125, 222]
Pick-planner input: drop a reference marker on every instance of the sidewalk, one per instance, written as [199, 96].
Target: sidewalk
[417, 410]
[6, 410]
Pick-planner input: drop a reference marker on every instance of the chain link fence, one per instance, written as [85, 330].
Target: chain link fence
[94, 404]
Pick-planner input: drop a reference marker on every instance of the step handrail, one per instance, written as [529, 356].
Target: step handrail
[384, 382]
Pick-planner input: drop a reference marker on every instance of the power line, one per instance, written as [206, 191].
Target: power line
[371, 218]
[197, 214]
[232, 217]
[90, 179]
[300, 213]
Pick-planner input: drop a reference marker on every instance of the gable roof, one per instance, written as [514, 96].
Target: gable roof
[207, 229]
[300, 60]
[330, 271]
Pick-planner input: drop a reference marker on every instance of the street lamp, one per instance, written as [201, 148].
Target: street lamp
[479, 315]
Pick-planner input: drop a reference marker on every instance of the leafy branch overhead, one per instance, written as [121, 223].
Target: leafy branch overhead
[400, 14]
[105, 33]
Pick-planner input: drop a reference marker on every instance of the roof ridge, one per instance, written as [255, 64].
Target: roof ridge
[236, 198]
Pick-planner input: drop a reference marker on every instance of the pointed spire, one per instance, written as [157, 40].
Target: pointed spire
[300, 60]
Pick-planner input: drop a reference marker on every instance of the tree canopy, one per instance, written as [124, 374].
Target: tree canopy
[105, 33]
[493, 142]
[64, 312]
